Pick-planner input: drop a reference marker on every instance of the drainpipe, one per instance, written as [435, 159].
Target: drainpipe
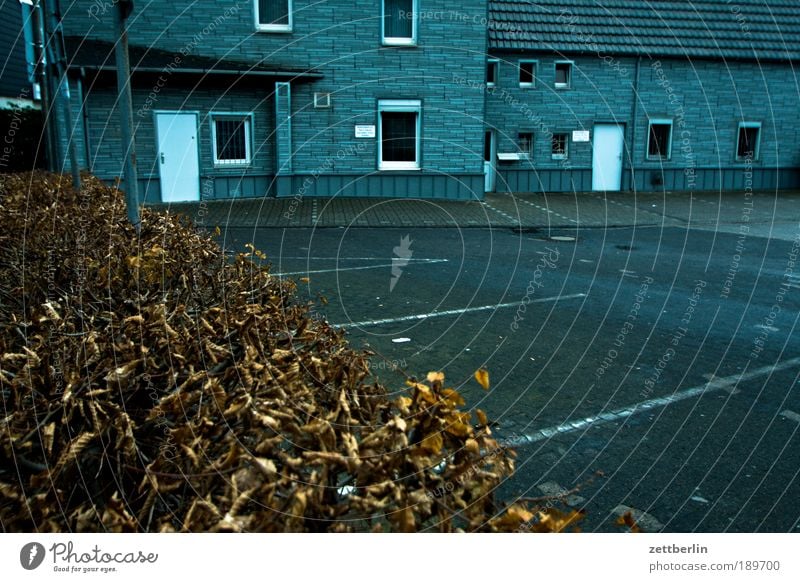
[62, 95]
[634, 115]
[122, 10]
[40, 74]
[84, 119]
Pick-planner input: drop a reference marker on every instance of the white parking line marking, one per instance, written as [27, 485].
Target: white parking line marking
[788, 414]
[451, 312]
[386, 266]
[713, 385]
[343, 258]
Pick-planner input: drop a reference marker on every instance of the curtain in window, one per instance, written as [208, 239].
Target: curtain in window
[399, 18]
[273, 12]
[399, 137]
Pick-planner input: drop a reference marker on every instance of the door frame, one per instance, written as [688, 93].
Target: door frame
[156, 113]
[622, 128]
[492, 160]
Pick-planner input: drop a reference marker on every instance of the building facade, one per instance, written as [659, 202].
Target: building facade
[434, 99]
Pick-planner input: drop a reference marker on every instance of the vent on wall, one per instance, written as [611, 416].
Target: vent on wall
[322, 100]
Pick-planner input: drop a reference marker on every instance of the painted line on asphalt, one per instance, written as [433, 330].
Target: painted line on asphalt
[452, 312]
[384, 266]
[410, 260]
[791, 415]
[713, 385]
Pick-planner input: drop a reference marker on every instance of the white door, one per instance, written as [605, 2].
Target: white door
[609, 141]
[178, 159]
[488, 161]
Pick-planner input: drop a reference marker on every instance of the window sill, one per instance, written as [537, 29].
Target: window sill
[399, 168]
[559, 157]
[527, 86]
[274, 28]
[561, 86]
[232, 165]
[400, 42]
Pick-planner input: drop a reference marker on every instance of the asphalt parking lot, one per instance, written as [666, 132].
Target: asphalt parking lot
[654, 367]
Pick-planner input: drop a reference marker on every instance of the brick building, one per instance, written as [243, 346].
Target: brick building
[435, 99]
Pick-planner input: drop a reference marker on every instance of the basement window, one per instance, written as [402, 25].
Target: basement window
[492, 72]
[230, 137]
[525, 144]
[659, 141]
[400, 134]
[748, 142]
[563, 74]
[560, 148]
[527, 74]
[399, 22]
[273, 15]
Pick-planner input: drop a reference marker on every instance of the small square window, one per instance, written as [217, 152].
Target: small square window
[400, 22]
[322, 100]
[560, 147]
[231, 140]
[563, 75]
[527, 73]
[659, 142]
[525, 143]
[748, 141]
[273, 15]
[492, 72]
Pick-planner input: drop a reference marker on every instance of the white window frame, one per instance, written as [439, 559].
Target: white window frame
[748, 125]
[565, 155]
[400, 106]
[535, 64]
[661, 121]
[322, 100]
[496, 63]
[248, 133]
[568, 84]
[399, 40]
[274, 27]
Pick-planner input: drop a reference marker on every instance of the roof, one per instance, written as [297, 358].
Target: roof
[99, 55]
[748, 29]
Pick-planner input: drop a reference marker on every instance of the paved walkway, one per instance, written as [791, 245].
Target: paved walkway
[583, 210]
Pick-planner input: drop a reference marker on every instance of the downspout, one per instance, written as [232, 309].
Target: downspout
[84, 120]
[40, 68]
[634, 115]
[61, 94]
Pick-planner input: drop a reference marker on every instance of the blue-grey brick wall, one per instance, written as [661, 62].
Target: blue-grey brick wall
[342, 40]
[105, 137]
[705, 99]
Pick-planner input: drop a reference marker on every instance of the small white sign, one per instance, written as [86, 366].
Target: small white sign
[579, 136]
[365, 131]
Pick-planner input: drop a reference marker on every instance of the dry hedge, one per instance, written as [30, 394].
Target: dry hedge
[150, 383]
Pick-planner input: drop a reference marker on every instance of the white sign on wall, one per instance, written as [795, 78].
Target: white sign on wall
[579, 136]
[365, 131]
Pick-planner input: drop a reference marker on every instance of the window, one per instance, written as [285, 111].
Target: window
[659, 142]
[492, 72]
[230, 137]
[399, 140]
[560, 146]
[399, 22]
[525, 142]
[273, 15]
[747, 147]
[322, 100]
[563, 74]
[527, 74]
